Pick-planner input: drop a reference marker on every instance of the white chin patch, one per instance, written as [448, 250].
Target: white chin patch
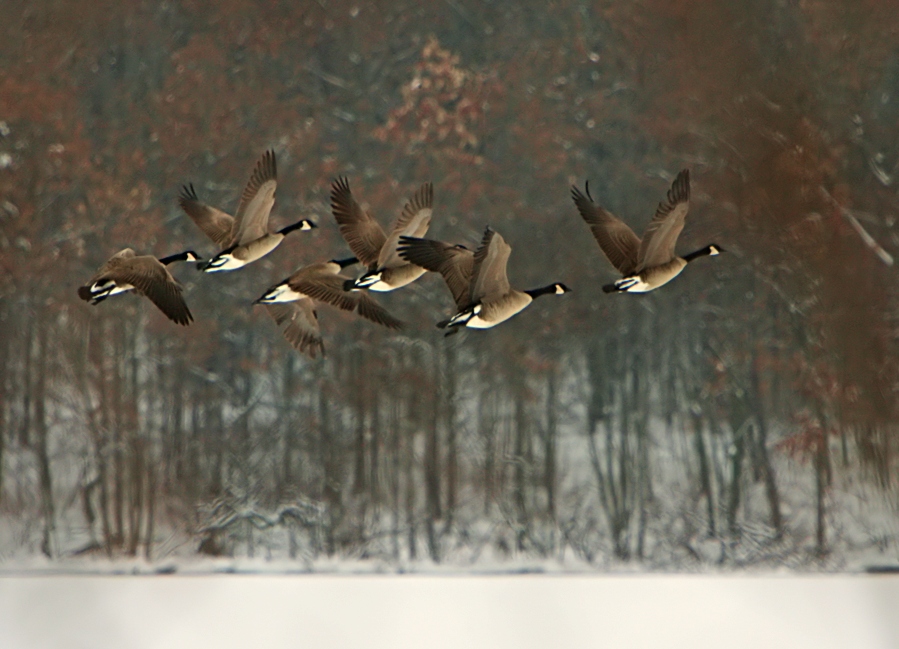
[305, 226]
[559, 290]
[714, 251]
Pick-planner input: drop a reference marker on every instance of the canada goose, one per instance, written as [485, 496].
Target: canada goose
[143, 274]
[244, 237]
[111, 289]
[649, 263]
[291, 303]
[489, 299]
[386, 269]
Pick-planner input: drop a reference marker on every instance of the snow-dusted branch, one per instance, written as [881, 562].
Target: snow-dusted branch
[884, 256]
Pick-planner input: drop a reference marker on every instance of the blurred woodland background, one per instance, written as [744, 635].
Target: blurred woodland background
[745, 414]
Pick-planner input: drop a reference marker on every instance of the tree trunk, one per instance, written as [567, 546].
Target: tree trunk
[6, 365]
[549, 446]
[330, 482]
[152, 485]
[733, 498]
[821, 482]
[41, 441]
[520, 471]
[487, 434]
[452, 451]
[761, 447]
[705, 476]
[359, 438]
[432, 461]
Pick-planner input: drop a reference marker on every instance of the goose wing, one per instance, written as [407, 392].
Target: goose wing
[412, 222]
[488, 279]
[362, 233]
[251, 219]
[150, 278]
[454, 263]
[371, 310]
[214, 223]
[662, 232]
[114, 262]
[328, 287]
[615, 238]
[84, 292]
[299, 325]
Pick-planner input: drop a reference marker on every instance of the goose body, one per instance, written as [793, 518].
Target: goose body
[244, 237]
[291, 303]
[478, 281]
[110, 287]
[648, 263]
[144, 274]
[387, 271]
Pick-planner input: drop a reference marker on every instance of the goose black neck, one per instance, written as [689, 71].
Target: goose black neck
[181, 256]
[343, 263]
[702, 252]
[302, 223]
[545, 290]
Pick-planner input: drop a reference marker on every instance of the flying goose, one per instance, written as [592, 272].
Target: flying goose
[651, 262]
[244, 237]
[145, 274]
[114, 289]
[386, 269]
[292, 303]
[477, 281]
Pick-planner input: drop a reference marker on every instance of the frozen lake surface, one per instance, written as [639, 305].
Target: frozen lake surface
[310, 611]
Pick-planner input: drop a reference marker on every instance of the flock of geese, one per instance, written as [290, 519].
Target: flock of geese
[476, 278]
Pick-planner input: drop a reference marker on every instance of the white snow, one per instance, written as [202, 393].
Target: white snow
[634, 611]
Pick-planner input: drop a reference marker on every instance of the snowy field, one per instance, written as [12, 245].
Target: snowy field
[634, 611]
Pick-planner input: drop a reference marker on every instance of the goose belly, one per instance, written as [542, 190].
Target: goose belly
[476, 322]
[652, 278]
[259, 248]
[493, 313]
[391, 279]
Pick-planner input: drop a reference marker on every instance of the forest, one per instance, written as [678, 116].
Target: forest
[744, 415]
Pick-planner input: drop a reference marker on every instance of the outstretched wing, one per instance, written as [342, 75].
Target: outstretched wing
[616, 240]
[662, 232]
[371, 310]
[489, 278]
[299, 325]
[256, 202]
[413, 222]
[362, 233]
[214, 223]
[151, 279]
[454, 263]
[328, 288]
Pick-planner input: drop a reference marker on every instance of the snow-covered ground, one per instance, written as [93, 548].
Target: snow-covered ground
[546, 611]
